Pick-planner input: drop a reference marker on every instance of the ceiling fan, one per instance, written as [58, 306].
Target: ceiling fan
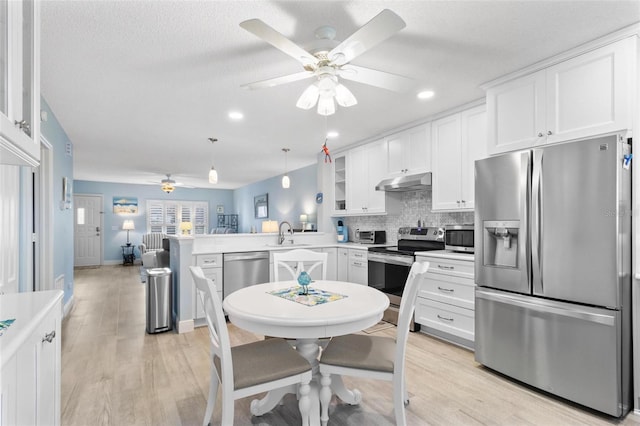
[329, 59]
[168, 185]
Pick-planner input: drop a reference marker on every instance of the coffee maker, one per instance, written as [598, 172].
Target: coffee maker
[343, 233]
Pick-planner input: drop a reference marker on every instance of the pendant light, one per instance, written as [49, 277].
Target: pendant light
[286, 182]
[213, 174]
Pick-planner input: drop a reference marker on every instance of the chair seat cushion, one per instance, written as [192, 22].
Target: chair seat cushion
[360, 351]
[264, 361]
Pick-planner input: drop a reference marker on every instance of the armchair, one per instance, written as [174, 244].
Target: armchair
[152, 245]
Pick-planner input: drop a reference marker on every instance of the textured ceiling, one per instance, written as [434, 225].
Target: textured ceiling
[139, 86]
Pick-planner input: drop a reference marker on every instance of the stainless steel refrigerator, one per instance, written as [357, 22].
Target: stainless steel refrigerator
[552, 268]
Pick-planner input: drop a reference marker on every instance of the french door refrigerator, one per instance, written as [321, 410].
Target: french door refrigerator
[552, 268]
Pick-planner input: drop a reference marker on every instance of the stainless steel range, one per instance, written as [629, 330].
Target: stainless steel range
[389, 266]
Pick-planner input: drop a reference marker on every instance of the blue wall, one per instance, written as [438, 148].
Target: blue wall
[63, 259]
[284, 204]
[114, 238]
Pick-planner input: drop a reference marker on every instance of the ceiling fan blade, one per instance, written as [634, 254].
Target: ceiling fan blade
[377, 30]
[278, 80]
[277, 40]
[385, 80]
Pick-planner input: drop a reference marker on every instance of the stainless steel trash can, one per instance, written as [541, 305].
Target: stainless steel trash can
[159, 300]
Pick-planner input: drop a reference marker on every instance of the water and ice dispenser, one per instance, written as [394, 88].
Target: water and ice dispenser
[500, 243]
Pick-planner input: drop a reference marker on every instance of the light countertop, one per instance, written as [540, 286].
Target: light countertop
[447, 254]
[274, 247]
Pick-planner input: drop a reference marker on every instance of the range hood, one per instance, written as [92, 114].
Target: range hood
[406, 183]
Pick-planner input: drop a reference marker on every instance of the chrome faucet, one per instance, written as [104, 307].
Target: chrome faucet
[281, 234]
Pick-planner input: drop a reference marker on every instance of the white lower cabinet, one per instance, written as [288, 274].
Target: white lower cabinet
[358, 267]
[211, 265]
[30, 385]
[343, 264]
[332, 262]
[445, 303]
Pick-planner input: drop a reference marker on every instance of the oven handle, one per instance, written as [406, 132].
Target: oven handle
[390, 259]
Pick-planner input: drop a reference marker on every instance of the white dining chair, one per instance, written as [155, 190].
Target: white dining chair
[247, 369]
[298, 260]
[374, 357]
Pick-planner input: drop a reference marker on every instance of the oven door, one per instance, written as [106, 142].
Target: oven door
[388, 272]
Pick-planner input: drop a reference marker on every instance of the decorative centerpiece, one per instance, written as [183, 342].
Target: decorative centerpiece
[304, 280]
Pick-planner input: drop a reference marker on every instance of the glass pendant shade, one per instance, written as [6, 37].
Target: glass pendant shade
[309, 97]
[286, 182]
[344, 97]
[213, 175]
[326, 106]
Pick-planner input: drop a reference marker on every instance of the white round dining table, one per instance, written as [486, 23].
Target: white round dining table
[256, 310]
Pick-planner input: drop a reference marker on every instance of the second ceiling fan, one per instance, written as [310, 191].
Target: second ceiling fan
[330, 59]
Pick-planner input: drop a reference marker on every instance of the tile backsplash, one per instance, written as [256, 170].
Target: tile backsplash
[416, 205]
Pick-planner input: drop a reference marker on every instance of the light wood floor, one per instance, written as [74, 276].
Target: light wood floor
[113, 373]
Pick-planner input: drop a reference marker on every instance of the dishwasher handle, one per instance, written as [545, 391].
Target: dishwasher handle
[252, 255]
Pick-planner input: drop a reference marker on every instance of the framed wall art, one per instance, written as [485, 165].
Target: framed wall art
[261, 206]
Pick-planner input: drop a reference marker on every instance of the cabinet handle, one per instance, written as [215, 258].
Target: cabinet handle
[445, 318]
[540, 134]
[23, 125]
[445, 267]
[49, 337]
[209, 261]
[549, 133]
[463, 201]
[448, 290]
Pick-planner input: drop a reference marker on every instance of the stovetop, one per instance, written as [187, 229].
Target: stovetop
[411, 240]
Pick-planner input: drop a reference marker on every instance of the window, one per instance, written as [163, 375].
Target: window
[165, 216]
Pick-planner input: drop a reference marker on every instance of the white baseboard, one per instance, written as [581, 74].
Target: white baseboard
[68, 306]
[185, 326]
[119, 262]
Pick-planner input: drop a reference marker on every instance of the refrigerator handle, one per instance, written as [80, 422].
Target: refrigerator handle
[523, 252]
[536, 222]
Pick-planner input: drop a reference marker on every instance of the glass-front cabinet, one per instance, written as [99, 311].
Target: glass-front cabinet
[19, 82]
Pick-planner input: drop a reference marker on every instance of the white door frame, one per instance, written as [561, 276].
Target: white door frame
[101, 244]
[44, 218]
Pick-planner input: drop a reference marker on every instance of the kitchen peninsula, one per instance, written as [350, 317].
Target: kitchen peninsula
[207, 251]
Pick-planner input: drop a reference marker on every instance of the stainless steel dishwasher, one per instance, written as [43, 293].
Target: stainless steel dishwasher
[244, 269]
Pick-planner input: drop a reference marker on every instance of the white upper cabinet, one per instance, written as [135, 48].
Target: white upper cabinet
[446, 167]
[409, 151]
[365, 169]
[474, 147]
[584, 96]
[20, 85]
[458, 141]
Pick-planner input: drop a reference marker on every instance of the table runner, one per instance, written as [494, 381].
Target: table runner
[315, 297]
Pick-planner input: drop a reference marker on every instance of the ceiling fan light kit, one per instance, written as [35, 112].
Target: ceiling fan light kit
[168, 184]
[326, 60]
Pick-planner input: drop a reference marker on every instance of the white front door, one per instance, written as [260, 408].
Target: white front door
[87, 230]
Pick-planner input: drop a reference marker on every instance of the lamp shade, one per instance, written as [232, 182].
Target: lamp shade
[128, 225]
[185, 227]
[303, 218]
[286, 182]
[269, 226]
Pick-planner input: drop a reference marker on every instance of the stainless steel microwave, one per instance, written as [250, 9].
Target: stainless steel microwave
[459, 238]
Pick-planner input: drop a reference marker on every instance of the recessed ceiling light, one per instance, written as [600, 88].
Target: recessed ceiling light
[332, 134]
[236, 115]
[426, 94]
